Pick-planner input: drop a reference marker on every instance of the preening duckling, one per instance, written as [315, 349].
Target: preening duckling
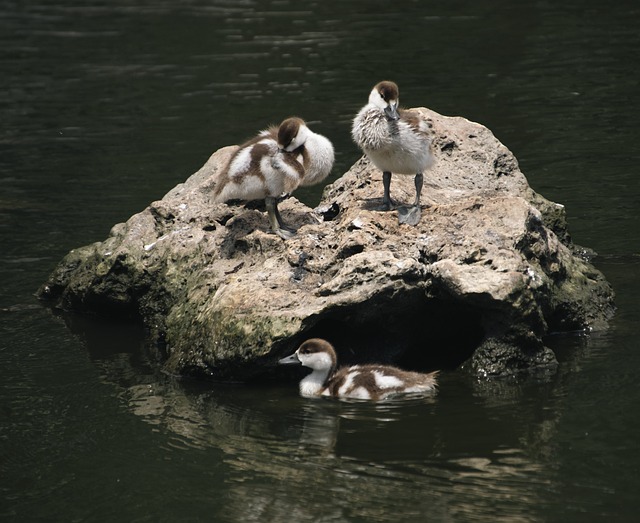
[276, 162]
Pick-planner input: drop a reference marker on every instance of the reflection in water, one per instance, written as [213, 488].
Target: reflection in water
[291, 458]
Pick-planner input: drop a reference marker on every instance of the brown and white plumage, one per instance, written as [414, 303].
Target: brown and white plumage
[315, 152]
[371, 382]
[395, 140]
[273, 163]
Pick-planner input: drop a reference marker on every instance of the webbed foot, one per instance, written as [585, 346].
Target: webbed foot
[385, 206]
[285, 234]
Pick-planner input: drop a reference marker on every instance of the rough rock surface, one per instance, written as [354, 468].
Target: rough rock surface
[486, 274]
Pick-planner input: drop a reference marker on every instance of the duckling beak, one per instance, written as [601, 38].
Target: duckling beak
[290, 360]
[391, 111]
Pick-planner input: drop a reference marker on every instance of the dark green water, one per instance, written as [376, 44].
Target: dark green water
[105, 106]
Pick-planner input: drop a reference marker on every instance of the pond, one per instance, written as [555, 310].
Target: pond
[108, 105]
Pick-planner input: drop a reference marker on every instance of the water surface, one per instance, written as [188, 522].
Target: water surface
[107, 105]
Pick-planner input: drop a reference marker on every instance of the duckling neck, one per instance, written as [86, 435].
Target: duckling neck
[315, 383]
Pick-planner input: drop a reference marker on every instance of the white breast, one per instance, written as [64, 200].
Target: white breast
[391, 146]
[313, 384]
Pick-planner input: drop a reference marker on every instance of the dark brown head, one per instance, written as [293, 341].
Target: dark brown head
[316, 353]
[388, 91]
[292, 133]
[385, 96]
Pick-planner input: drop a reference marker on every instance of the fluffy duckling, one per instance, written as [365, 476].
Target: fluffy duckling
[368, 382]
[273, 163]
[396, 141]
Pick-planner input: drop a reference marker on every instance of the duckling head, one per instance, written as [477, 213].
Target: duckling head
[292, 133]
[317, 354]
[385, 96]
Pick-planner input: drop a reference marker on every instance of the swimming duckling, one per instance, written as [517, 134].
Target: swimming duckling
[396, 141]
[374, 382]
[273, 163]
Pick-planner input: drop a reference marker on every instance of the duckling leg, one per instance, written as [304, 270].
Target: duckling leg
[282, 225]
[411, 215]
[274, 218]
[418, 181]
[387, 203]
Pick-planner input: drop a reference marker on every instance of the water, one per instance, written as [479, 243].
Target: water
[107, 105]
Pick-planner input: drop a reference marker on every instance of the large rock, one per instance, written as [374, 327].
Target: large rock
[486, 274]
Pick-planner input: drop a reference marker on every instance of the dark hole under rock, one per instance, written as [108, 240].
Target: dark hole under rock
[421, 335]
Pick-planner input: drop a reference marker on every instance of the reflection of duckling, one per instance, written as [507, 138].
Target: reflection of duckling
[396, 141]
[357, 382]
[273, 163]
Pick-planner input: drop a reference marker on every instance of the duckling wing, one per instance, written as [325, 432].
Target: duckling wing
[288, 168]
[383, 381]
[260, 170]
[345, 383]
[249, 174]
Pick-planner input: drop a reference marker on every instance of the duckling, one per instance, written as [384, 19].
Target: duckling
[396, 141]
[276, 162]
[368, 382]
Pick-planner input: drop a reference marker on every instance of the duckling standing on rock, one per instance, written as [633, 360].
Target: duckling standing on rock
[276, 162]
[396, 141]
[369, 382]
